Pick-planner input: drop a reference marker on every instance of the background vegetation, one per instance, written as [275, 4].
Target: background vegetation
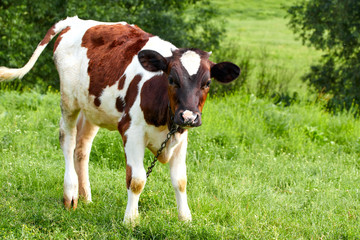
[258, 39]
[334, 27]
[24, 23]
[256, 169]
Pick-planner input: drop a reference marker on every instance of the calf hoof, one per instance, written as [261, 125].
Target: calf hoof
[132, 221]
[85, 195]
[71, 193]
[70, 204]
[185, 216]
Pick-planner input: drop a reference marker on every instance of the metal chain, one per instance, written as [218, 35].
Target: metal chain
[172, 131]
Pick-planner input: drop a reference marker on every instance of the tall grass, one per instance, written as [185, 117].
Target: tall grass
[255, 170]
[258, 76]
[259, 40]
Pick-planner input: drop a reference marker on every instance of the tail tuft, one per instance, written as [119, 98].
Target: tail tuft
[8, 74]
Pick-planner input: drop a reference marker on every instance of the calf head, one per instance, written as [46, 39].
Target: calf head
[189, 72]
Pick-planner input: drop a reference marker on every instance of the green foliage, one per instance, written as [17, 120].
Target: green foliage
[271, 62]
[24, 23]
[333, 27]
[271, 81]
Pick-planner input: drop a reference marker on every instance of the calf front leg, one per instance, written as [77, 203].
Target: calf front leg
[135, 174]
[179, 179]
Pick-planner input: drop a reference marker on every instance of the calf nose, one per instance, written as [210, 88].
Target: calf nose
[189, 117]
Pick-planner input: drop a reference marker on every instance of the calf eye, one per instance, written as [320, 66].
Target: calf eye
[207, 84]
[172, 82]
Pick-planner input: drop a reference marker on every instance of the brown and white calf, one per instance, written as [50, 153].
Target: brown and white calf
[116, 76]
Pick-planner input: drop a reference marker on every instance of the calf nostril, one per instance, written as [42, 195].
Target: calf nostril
[188, 116]
[196, 118]
[182, 117]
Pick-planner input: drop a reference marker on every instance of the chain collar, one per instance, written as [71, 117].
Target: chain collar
[172, 131]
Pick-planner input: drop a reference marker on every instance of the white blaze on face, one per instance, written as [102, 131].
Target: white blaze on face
[191, 62]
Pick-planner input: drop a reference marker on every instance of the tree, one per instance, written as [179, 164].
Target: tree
[23, 23]
[332, 26]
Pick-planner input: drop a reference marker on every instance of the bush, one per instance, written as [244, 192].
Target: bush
[333, 27]
[24, 23]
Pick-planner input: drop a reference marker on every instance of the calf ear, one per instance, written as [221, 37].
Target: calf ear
[152, 61]
[225, 72]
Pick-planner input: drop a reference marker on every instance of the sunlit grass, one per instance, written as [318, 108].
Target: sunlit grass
[259, 28]
[255, 170]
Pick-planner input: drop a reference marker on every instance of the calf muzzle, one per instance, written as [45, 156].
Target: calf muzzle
[188, 118]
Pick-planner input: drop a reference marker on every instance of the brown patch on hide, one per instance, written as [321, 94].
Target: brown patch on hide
[120, 104]
[97, 102]
[203, 72]
[57, 42]
[121, 82]
[124, 125]
[130, 98]
[132, 92]
[203, 95]
[137, 185]
[111, 49]
[154, 100]
[182, 185]
[128, 176]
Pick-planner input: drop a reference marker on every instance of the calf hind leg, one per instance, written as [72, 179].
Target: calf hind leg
[86, 133]
[67, 136]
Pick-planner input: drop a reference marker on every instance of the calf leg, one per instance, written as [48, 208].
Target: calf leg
[135, 173]
[179, 179]
[86, 133]
[67, 142]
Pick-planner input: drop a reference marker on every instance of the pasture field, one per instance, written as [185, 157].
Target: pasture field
[255, 171]
[257, 31]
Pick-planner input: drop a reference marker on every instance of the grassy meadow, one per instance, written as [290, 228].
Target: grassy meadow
[255, 170]
[257, 31]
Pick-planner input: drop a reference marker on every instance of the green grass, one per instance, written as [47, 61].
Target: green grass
[255, 170]
[258, 30]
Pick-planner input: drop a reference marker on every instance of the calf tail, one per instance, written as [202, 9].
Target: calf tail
[12, 73]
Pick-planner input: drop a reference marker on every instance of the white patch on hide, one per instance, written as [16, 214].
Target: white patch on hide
[191, 62]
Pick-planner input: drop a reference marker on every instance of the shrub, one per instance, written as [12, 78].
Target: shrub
[333, 27]
[24, 23]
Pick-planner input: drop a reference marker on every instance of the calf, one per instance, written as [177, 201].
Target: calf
[116, 76]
